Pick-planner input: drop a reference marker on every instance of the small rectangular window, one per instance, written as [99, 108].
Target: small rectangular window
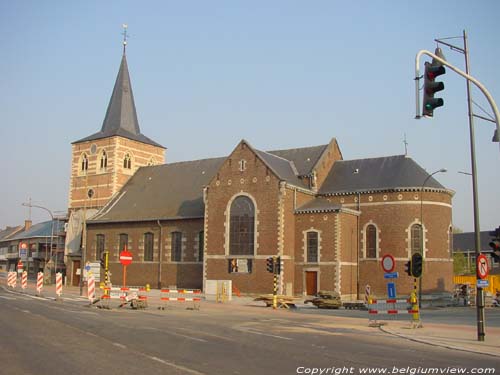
[312, 247]
[201, 239]
[99, 241]
[123, 241]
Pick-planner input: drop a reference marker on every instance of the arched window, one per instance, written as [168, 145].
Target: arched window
[148, 247]
[127, 162]
[312, 247]
[84, 163]
[371, 241]
[242, 226]
[104, 160]
[416, 239]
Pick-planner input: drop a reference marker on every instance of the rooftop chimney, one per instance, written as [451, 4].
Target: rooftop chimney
[27, 224]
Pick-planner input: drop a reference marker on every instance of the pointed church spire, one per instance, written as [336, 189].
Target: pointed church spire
[121, 115]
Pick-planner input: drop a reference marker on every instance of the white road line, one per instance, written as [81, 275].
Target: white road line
[119, 345]
[175, 334]
[254, 331]
[179, 367]
[9, 298]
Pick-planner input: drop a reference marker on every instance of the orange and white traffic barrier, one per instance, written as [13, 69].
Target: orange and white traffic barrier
[179, 295]
[389, 307]
[12, 279]
[39, 282]
[58, 284]
[91, 288]
[24, 280]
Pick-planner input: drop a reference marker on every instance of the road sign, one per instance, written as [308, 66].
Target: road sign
[20, 267]
[391, 290]
[23, 250]
[482, 266]
[125, 257]
[87, 267]
[391, 275]
[388, 263]
[483, 283]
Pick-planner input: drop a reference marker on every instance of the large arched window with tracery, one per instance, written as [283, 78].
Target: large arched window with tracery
[242, 227]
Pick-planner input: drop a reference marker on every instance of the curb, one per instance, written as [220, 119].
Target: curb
[438, 344]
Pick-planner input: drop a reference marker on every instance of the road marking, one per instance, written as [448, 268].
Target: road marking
[162, 361]
[9, 298]
[206, 334]
[254, 331]
[119, 345]
[26, 311]
[175, 334]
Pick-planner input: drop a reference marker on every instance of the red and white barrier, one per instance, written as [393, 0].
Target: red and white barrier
[12, 279]
[178, 295]
[59, 284]
[91, 288]
[389, 307]
[39, 282]
[24, 280]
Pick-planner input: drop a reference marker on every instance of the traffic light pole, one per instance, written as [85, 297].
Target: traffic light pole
[469, 78]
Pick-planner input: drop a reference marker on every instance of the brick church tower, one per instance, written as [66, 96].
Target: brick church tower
[104, 161]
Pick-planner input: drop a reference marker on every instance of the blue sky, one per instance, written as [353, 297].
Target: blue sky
[280, 74]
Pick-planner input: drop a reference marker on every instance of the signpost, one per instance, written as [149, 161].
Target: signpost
[482, 267]
[20, 266]
[23, 250]
[125, 260]
[388, 263]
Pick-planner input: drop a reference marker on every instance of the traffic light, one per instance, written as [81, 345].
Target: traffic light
[416, 265]
[432, 70]
[495, 246]
[270, 265]
[408, 268]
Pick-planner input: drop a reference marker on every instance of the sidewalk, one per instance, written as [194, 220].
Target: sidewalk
[451, 336]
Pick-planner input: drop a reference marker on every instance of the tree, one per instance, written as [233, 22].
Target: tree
[460, 264]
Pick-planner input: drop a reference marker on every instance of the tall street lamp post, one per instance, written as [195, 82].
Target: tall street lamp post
[442, 170]
[30, 205]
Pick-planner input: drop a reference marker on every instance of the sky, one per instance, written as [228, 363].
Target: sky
[280, 74]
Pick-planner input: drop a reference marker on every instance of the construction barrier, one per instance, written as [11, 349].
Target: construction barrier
[12, 279]
[58, 284]
[91, 288]
[24, 280]
[390, 308]
[493, 280]
[135, 296]
[180, 295]
[39, 282]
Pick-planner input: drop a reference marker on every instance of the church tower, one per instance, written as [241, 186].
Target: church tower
[103, 162]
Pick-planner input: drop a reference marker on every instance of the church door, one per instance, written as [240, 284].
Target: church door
[311, 283]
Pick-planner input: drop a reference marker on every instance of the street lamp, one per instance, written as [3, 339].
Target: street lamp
[442, 170]
[30, 205]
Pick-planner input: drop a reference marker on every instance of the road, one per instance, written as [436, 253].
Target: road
[40, 336]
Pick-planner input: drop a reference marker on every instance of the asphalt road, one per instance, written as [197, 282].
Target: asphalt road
[40, 336]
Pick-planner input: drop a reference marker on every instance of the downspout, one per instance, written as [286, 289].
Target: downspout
[357, 246]
[160, 247]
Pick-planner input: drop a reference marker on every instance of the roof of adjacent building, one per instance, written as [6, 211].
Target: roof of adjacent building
[44, 229]
[9, 232]
[169, 191]
[465, 242]
[121, 116]
[284, 169]
[377, 174]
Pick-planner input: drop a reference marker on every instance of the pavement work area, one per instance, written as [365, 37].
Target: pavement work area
[461, 337]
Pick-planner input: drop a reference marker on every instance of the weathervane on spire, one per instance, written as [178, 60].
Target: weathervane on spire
[125, 37]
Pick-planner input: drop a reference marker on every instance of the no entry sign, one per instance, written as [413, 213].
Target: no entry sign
[482, 266]
[125, 257]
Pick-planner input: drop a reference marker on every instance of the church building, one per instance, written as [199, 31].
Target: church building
[330, 220]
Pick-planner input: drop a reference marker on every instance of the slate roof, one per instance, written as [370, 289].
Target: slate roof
[283, 168]
[169, 191]
[304, 158]
[463, 242]
[43, 229]
[318, 205]
[377, 174]
[121, 116]
[8, 232]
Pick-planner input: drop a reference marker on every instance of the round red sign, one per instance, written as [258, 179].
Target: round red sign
[388, 263]
[125, 257]
[482, 266]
